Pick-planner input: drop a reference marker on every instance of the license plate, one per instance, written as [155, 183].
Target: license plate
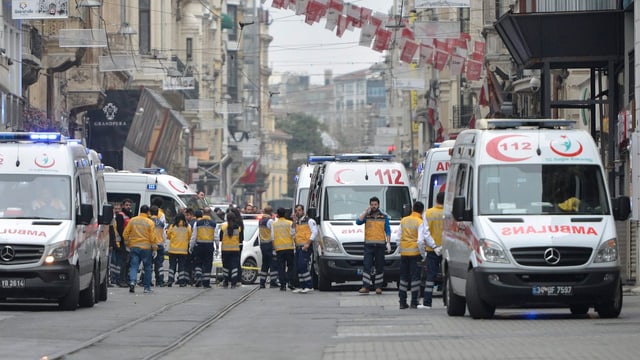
[12, 283]
[552, 290]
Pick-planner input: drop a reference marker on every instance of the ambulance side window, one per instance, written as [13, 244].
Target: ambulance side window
[463, 185]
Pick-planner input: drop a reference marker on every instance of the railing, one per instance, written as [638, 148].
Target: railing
[461, 116]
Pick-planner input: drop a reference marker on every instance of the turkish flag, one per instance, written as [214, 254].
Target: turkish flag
[249, 176]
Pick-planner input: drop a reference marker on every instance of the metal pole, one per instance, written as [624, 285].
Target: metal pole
[187, 153]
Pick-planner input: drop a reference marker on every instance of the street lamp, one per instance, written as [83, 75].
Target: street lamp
[187, 153]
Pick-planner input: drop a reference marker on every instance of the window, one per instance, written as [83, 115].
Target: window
[144, 18]
[189, 49]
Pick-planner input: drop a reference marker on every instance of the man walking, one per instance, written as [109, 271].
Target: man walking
[410, 227]
[140, 238]
[377, 233]
[431, 236]
[306, 231]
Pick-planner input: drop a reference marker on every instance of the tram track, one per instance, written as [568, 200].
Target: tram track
[163, 350]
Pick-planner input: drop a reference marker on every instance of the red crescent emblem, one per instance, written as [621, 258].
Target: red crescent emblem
[177, 188]
[44, 162]
[337, 175]
[494, 151]
[575, 153]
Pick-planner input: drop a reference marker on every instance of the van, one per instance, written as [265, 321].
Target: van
[50, 246]
[432, 174]
[144, 187]
[340, 191]
[528, 221]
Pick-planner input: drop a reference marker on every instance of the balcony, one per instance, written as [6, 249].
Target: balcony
[462, 116]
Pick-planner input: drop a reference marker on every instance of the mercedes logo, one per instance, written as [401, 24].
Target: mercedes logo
[552, 256]
[7, 253]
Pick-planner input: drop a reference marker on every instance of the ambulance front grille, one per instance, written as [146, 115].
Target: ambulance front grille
[535, 256]
[357, 248]
[11, 254]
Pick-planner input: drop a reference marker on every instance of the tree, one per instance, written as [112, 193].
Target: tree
[305, 140]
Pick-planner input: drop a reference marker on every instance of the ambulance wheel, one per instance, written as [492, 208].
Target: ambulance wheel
[69, 302]
[88, 295]
[612, 308]
[103, 292]
[478, 308]
[249, 276]
[324, 284]
[456, 305]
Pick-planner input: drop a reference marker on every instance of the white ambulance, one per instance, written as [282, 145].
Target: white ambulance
[528, 221]
[340, 191]
[432, 174]
[145, 187]
[49, 221]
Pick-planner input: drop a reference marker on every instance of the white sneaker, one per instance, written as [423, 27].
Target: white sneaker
[423, 307]
[296, 290]
[306, 290]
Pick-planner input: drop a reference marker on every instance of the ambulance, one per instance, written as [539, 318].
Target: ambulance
[49, 221]
[340, 191]
[144, 187]
[529, 222]
[432, 174]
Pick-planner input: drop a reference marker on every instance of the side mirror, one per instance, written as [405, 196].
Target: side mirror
[621, 208]
[86, 214]
[458, 211]
[312, 213]
[406, 210]
[107, 215]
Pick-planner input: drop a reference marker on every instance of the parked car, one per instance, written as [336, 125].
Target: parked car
[251, 257]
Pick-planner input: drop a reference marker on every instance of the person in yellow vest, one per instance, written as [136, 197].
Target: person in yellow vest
[230, 246]
[408, 233]
[140, 238]
[202, 246]
[306, 230]
[179, 234]
[158, 260]
[265, 234]
[377, 238]
[284, 245]
[431, 239]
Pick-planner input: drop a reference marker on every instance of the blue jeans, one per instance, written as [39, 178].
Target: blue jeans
[409, 279]
[302, 264]
[433, 267]
[373, 256]
[145, 256]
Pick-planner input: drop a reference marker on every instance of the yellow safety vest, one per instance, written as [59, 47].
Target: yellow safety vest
[374, 229]
[435, 220]
[179, 237]
[282, 239]
[303, 231]
[230, 243]
[409, 236]
[263, 231]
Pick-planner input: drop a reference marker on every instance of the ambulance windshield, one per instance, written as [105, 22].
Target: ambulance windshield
[536, 189]
[35, 197]
[347, 202]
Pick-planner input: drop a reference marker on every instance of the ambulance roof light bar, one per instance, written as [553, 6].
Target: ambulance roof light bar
[314, 159]
[153, 171]
[34, 137]
[364, 157]
[486, 124]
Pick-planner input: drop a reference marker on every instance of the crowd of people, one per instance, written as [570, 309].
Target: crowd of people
[194, 237]
[139, 244]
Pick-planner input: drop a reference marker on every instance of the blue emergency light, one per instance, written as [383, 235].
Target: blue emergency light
[44, 137]
[320, 158]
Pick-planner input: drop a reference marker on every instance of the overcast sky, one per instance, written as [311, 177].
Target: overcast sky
[310, 49]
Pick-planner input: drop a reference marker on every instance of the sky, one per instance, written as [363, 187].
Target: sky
[310, 49]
